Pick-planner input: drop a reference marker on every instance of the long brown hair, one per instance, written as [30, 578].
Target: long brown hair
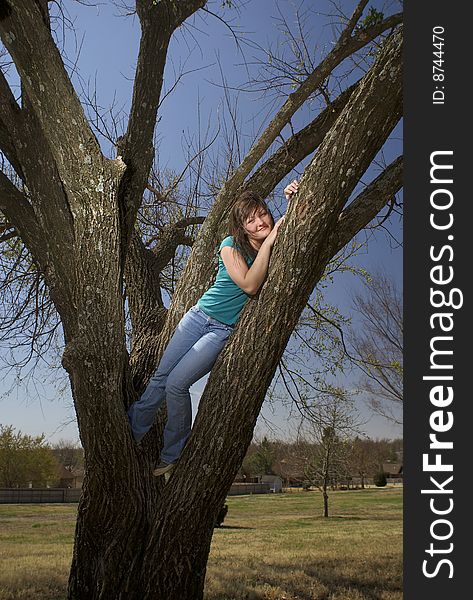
[247, 204]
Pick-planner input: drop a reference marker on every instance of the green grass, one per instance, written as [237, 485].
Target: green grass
[271, 547]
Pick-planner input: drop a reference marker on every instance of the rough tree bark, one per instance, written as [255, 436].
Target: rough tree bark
[137, 538]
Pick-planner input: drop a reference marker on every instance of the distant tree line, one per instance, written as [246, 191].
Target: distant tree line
[302, 462]
[29, 461]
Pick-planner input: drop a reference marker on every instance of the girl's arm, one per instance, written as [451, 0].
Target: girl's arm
[250, 279]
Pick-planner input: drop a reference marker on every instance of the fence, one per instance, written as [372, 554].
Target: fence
[63, 495]
[38, 495]
[60, 495]
[239, 489]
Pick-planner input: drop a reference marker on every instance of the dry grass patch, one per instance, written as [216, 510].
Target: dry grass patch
[279, 547]
[35, 550]
[272, 547]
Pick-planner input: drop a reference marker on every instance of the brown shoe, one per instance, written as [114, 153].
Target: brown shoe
[163, 468]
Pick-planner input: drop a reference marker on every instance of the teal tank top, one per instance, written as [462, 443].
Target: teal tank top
[224, 301]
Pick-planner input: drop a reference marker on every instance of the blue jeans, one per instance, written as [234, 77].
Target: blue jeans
[190, 354]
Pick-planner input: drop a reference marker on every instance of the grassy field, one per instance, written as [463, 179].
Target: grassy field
[271, 547]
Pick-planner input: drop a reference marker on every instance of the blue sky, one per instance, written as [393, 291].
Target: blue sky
[104, 48]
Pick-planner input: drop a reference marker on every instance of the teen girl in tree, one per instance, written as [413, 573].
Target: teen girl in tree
[205, 328]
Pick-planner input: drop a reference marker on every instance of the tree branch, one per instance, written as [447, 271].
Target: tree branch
[345, 46]
[9, 134]
[21, 216]
[158, 22]
[147, 311]
[9, 150]
[7, 233]
[170, 238]
[44, 79]
[367, 205]
[353, 21]
[297, 147]
[23, 142]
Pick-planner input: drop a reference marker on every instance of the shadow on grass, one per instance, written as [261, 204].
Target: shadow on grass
[324, 579]
[363, 518]
[369, 581]
[234, 527]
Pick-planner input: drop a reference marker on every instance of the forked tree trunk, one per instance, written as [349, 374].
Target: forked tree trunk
[136, 538]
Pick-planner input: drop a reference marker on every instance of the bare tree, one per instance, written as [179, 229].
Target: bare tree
[75, 210]
[69, 454]
[364, 459]
[327, 428]
[377, 346]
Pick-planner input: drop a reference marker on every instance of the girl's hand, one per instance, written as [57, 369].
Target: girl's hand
[274, 232]
[291, 189]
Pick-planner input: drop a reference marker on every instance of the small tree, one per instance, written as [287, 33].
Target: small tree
[363, 458]
[328, 424]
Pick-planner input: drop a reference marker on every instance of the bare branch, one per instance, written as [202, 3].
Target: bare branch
[158, 22]
[345, 46]
[367, 204]
[378, 345]
[297, 147]
[19, 212]
[353, 20]
[170, 238]
[28, 320]
[9, 235]
[44, 79]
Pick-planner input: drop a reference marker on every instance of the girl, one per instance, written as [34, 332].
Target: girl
[205, 328]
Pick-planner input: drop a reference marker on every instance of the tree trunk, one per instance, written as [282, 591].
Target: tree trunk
[113, 514]
[325, 495]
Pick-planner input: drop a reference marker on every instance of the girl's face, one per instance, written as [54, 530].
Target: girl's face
[258, 225]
